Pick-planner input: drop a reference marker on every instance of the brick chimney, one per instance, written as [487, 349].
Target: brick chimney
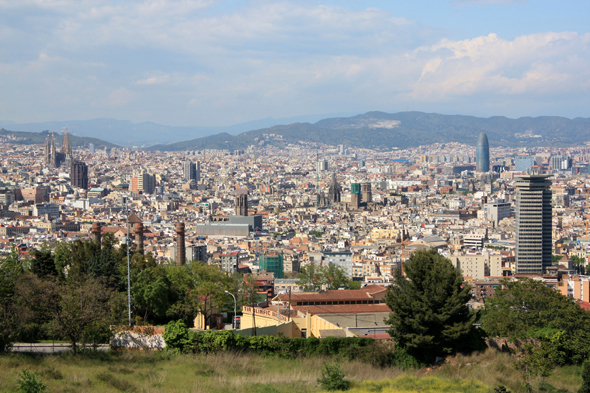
[180, 248]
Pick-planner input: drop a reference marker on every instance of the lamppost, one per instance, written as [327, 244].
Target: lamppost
[128, 263]
[233, 324]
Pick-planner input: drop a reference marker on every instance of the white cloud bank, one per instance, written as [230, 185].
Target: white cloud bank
[186, 62]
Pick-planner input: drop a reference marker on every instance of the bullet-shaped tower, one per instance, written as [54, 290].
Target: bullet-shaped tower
[180, 248]
[96, 232]
[138, 230]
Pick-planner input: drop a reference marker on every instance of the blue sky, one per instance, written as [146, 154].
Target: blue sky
[208, 62]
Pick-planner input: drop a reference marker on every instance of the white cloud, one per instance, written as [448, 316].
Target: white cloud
[153, 80]
[265, 58]
[119, 97]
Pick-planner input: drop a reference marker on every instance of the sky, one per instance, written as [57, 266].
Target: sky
[216, 63]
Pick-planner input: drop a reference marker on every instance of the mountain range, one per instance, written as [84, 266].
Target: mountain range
[127, 133]
[37, 138]
[373, 130]
[380, 130]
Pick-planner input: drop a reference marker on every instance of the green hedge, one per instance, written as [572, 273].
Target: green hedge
[179, 338]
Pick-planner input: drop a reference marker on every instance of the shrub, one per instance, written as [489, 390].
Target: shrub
[177, 336]
[585, 388]
[332, 378]
[29, 383]
[401, 358]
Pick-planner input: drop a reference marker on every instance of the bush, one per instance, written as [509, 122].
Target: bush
[401, 358]
[585, 388]
[29, 383]
[177, 336]
[332, 378]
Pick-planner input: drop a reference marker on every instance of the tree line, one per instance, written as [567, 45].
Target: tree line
[76, 291]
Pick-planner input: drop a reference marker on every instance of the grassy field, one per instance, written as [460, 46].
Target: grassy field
[234, 373]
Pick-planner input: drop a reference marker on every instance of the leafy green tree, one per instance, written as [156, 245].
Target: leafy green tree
[72, 258]
[104, 264]
[311, 277]
[150, 291]
[69, 309]
[333, 276]
[10, 271]
[429, 316]
[531, 309]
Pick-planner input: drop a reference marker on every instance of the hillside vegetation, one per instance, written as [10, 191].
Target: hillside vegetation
[378, 130]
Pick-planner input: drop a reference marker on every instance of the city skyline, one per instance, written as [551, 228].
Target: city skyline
[220, 63]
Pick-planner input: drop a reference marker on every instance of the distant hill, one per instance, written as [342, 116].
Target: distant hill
[32, 138]
[127, 133]
[380, 130]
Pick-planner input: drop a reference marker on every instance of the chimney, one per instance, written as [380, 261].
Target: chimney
[96, 232]
[139, 236]
[180, 249]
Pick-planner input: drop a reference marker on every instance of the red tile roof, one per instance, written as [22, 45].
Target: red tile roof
[343, 309]
[340, 295]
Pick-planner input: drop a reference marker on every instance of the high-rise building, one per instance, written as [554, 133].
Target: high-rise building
[91, 148]
[559, 163]
[322, 166]
[144, 183]
[190, 171]
[79, 175]
[523, 163]
[533, 224]
[482, 153]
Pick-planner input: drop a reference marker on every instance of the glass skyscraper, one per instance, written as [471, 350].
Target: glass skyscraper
[482, 153]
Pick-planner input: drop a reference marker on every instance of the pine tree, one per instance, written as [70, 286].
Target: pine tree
[429, 315]
[43, 264]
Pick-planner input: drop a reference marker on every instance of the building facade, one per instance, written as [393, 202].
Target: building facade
[482, 153]
[79, 175]
[272, 262]
[533, 224]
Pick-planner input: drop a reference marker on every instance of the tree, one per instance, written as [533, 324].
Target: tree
[333, 276]
[150, 291]
[429, 316]
[311, 277]
[528, 308]
[10, 271]
[104, 264]
[42, 264]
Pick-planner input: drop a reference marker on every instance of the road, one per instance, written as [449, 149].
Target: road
[49, 348]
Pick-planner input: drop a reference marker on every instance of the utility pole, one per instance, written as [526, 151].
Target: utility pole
[317, 178]
[128, 263]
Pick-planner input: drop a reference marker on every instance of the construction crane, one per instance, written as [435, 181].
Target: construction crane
[66, 128]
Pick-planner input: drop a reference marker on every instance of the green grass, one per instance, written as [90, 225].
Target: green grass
[146, 371]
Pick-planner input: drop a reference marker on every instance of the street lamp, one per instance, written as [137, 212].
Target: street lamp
[233, 324]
